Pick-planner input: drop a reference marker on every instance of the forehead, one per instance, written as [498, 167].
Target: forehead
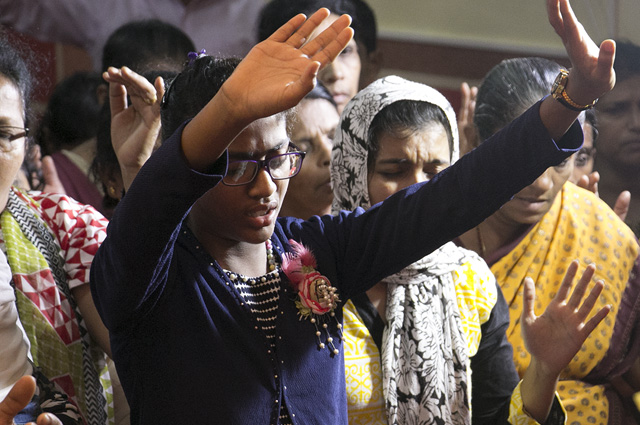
[11, 107]
[261, 137]
[316, 112]
[627, 90]
[429, 142]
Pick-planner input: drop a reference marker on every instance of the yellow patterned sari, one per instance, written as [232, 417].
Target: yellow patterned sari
[580, 226]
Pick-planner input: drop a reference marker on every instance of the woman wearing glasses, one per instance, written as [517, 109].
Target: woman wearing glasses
[220, 311]
[49, 241]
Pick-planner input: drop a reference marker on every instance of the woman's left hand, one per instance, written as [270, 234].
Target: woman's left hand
[555, 337]
[134, 127]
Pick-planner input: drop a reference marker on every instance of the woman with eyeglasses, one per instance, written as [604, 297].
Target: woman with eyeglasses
[221, 312]
[49, 242]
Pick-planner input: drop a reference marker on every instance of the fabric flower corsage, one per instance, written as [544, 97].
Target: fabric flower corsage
[316, 299]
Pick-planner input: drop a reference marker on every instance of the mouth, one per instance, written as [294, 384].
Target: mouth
[263, 215]
[531, 204]
[340, 98]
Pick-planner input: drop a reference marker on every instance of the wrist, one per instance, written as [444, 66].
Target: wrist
[565, 92]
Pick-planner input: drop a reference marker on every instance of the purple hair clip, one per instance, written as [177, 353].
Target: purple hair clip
[195, 55]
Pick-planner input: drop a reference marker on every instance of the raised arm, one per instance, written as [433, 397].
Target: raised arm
[591, 75]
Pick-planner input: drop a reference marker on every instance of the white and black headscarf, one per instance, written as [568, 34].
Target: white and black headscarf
[424, 351]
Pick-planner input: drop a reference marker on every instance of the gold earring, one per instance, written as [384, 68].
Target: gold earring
[112, 191]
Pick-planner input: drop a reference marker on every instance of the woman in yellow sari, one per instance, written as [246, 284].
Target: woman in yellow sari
[539, 232]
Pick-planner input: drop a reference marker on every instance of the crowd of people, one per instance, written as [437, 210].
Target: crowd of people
[286, 238]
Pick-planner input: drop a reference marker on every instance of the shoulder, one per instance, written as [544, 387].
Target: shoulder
[64, 213]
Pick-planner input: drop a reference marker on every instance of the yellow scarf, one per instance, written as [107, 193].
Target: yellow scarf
[578, 226]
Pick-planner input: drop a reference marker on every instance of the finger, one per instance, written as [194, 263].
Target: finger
[621, 207]
[595, 321]
[137, 85]
[284, 32]
[307, 80]
[329, 53]
[528, 300]
[567, 281]
[48, 419]
[465, 98]
[555, 17]
[581, 287]
[328, 36]
[117, 98]
[303, 33]
[19, 396]
[591, 300]
[159, 86]
[606, 57]
[583, 182]
[52, 181]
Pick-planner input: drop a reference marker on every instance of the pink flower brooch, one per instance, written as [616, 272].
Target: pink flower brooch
[316, 297]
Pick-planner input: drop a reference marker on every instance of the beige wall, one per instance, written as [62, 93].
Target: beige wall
[445, 42]
[502, 24]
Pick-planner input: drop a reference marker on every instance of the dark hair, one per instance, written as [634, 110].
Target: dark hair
[400, 118]
[590, 118]
[72, 113]
[509, 89]
[276, 13]
[192, 89]
[627, 62]
[146, 45]
[16, 60]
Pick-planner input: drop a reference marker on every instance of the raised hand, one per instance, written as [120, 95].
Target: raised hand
[135, 127]
[52, 183]
[280, 71]
[19, 396]
[590, 183]
[465, 117]
[592, 72]
[555, 337]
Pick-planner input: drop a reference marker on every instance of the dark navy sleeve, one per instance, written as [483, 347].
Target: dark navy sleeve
[357, 250]
[494, 376]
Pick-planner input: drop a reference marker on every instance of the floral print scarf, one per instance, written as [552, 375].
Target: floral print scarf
[425, 360]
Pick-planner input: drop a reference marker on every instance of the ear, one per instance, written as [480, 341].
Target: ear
[469, 139]
[370, 63]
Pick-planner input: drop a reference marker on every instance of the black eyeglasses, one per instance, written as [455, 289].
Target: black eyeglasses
[279, 167]
[8, 134]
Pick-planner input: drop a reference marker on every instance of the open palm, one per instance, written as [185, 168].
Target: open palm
[280, 71]
[556, 336]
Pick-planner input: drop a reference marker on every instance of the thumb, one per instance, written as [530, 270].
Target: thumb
[621, 207]
[19, 396]
[528, 300]
[52, 183]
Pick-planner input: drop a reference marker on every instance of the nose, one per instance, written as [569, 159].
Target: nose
[417, 177]
[543, 183]
[263, 185]
[332, 72]
[634, 120]
[325, 145]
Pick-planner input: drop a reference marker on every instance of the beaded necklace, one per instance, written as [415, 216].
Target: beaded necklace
[271, 265]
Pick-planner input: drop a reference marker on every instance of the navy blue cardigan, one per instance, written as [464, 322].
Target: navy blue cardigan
[187, 348]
